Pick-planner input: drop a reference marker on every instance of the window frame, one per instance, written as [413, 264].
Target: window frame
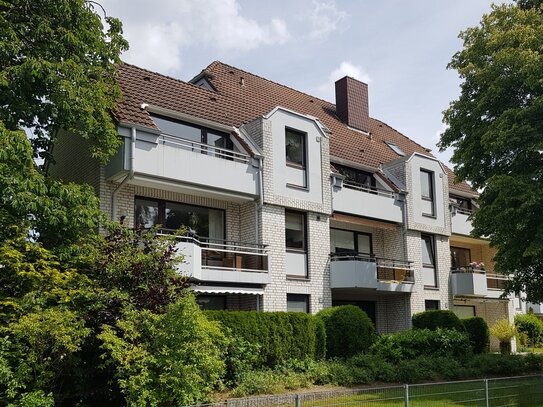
[395, 148]
[161, 203]
[303, 136]
[429, 266]
[473, 307]
[223, 297]
[346, 168]
[355, 239]
[203, 132]
[307, 298]
[460, 248]
[304, 230]
[426, 302]
[431, 186]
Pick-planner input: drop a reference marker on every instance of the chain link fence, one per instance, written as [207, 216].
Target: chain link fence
[522, 391]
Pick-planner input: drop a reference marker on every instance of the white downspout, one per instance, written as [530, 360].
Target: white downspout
[260, 202]
[128, 177]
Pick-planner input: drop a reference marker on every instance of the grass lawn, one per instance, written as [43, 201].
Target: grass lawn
[502, 392]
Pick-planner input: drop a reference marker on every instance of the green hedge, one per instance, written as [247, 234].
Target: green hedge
[406, 345]
[349, 330]
[281, 336]
[437, 319]
[478, 334]
[531, 325]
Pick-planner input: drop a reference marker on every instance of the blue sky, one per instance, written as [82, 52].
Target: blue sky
[401, 48]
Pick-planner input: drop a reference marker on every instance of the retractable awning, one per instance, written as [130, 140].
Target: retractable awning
[343, 218]
[227, 290]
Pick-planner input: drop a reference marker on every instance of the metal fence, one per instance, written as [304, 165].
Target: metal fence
[525, 391]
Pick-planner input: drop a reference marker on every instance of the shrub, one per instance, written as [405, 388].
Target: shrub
[175, 358]
[437, 319]
[478, 333]
[421, 342]
[280, 335]
[531, 325]
[349, 330]
[504, 331]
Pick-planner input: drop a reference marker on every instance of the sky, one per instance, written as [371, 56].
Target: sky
[400, 48]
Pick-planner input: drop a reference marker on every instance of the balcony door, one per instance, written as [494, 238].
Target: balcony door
[350, 242]
[460, 257]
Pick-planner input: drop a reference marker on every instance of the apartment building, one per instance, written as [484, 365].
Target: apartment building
[291, 203]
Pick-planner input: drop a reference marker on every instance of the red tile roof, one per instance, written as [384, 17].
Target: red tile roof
[240, 97]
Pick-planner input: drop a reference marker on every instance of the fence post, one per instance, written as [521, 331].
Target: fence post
[297, 400]
[487, 399]
[406, 395]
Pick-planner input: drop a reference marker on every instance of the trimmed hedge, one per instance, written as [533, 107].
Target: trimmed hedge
[406, 345]
[437, 319]
[478, 334]
[349, 330]
[281, 336]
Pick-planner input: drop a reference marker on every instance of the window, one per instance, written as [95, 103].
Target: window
[395, 148]
[461, 202]
[347, 241]
[295, 148]
[193, 132]
[428, 260]
[211, 302]
[298, 303]
[427, 192]
[295, 238]
[202, 221]
[356, 176]
[431, 305]
[460, 257]
[464, 311]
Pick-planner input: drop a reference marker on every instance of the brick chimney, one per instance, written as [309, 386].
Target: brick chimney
[352, 106]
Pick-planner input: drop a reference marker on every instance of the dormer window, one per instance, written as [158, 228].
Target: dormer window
[295, 148]
[395, 148]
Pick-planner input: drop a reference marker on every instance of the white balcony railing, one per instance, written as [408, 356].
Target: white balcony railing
[217, 260]
[468, 281]
[460, 222]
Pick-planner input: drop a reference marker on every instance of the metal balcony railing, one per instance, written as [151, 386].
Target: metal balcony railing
[171, 140]
[368, 189]
[387, 269]
[224, 254]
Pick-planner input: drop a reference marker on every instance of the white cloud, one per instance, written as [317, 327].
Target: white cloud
[159, 33]
[326, 18]
[345, 68]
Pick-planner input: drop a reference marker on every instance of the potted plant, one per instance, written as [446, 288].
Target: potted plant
[504, 331]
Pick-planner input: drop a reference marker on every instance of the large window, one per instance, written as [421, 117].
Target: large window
[295, 148]
[428, 260]
[202, 221]
[211, 302]
[192, 132]
[356, 176]
[298, 303]
[427, 192]
[460, 257]
[464, 311]
[347, 241]
[461, 202]
[295, 239]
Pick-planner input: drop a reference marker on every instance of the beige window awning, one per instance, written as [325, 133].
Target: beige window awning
[227, 290]
[341, 217]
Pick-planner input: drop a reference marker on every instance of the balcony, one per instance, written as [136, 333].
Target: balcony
[189, 165]
[362, 200]
[460, 223]
[359, 270]
[469, 282]
[224, 261]
[536, 308]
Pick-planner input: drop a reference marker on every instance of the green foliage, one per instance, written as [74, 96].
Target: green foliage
[503, 330]
[531, 325]
[495, 129]
[406, 345]
[174, 358]
[58, 70]
[348, 330]
[437, 319]
[479, 335]
[280, 336]
[241, 357]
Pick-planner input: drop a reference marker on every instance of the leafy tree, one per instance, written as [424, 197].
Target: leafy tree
[496, 128]
[57, 70]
